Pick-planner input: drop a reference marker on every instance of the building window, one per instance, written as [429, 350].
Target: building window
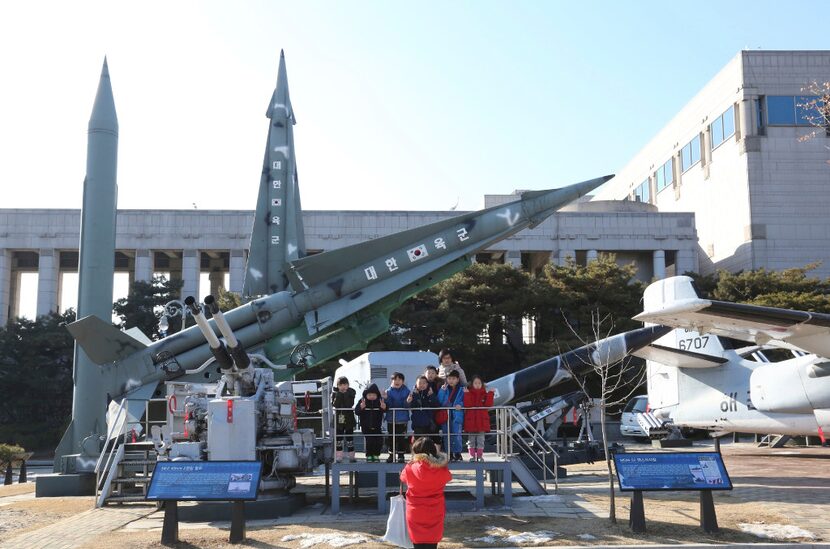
[723, 127]
[759, 110]
[807, 111]
[664, 175]
[690, 154]
[781, 110]
[798, 110]
[528, 330]
[643, 192]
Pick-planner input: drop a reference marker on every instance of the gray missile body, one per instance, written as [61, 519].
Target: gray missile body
[331, 288]
[95, 267]
[558, 369]
[277, 236]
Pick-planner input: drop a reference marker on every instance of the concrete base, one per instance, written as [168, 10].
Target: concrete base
[57, 485]
[264, 508]
[678, 443]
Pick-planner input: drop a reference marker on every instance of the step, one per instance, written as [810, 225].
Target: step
[137, 462]
[125, 499]
[131, 479]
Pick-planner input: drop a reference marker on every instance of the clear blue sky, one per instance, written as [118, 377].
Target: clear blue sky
[399, 105]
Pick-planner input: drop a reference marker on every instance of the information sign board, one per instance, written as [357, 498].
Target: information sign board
[205, 480]
[652, 471]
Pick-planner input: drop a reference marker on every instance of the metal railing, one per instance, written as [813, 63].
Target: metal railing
[112, 453]
[514, 436]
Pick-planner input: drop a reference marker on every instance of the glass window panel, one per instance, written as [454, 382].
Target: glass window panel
[669, 172]
[686, 157]
[646, 191]
[728, 122]
[781, 110]
[695, 146]
[806, 111]
[661, 180]
[717, 132]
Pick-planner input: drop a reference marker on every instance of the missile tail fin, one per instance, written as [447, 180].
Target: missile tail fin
[101, 341]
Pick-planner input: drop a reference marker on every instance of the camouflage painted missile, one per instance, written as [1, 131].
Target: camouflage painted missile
[555, 370]
[277, 236]
[332, 289]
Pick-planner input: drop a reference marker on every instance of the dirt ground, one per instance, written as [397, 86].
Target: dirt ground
[30, 513]
[674, 521]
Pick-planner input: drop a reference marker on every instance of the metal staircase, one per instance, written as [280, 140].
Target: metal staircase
[527, 451]
[125, 465]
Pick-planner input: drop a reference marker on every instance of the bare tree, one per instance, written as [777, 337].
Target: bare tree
[619, 379]
[815, 109]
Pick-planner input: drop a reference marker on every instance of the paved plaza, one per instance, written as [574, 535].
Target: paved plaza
[792, 482]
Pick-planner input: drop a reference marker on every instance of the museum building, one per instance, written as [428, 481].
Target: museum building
[748, 155]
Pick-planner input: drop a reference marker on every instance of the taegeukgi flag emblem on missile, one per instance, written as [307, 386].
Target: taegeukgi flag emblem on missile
[418, 252]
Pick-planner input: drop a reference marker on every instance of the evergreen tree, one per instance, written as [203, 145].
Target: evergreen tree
[143, 306]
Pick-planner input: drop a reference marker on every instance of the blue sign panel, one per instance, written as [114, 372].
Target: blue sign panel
[671, 471]
[205, 480]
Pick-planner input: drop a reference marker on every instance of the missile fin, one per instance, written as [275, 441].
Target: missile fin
[101, 341]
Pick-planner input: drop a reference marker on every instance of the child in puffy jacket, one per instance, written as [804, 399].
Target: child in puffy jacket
[477, 422]
[451, 395]
[397, 420]
[342, 400]
[422, 402]
[370, 411]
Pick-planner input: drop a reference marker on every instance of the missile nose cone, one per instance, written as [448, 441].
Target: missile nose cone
[540, 204]
[103, 116]
[280, 106]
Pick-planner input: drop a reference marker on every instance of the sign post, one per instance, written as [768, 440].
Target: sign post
[672, 471]
[174, 481]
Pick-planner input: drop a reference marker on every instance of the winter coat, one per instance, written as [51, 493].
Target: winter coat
[477, 421]
[344, 419]
[421, 405]
[425, 478]
[370, 417]
[396, 398]
[444, 395]
[443, 372]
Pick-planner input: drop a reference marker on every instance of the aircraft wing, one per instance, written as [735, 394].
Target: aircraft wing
[678, 358]
[786, 328]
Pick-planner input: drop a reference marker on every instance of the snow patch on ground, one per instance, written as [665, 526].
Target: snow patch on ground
[543, 499]
[332, 540]
[776, 531]
[586, 537]
[496, 534]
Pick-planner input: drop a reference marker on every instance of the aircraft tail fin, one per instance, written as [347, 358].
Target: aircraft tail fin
[101, 341]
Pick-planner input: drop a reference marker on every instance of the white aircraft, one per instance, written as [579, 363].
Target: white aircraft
[778, 382]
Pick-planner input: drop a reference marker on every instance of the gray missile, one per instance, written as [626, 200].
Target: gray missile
[95, 268]
[277, 235]
[331, 289]
[558, 369]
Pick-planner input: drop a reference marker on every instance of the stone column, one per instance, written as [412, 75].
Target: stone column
[686, 261]
[514, 259]
[5, 285]
[47, 282]
[659, 264]
[564, 255]
[217, 280]
[143, 265]
[191, 266]
[237, 271]
[591, 256]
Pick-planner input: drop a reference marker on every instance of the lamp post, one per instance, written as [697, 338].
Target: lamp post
[172, 309]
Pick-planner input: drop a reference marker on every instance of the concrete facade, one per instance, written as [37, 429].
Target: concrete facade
[759, 195]
[188, 243]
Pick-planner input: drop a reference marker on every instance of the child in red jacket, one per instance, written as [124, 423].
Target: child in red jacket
[477, 422]
[425, 478]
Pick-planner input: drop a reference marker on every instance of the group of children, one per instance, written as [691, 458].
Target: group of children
[425, 406]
